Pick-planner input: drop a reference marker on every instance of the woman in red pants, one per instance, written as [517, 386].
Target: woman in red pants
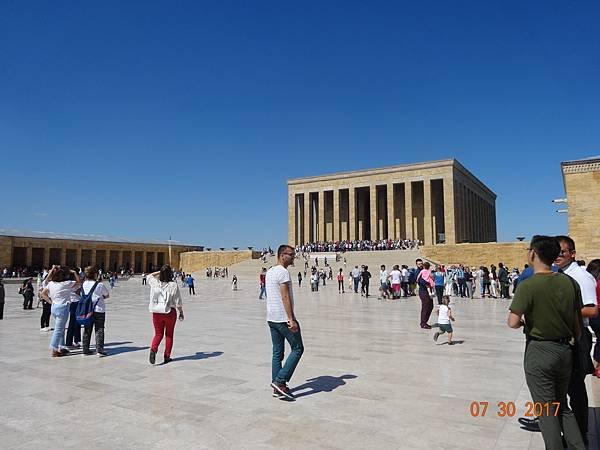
[165, 299]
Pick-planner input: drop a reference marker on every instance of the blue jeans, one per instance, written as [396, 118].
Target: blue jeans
[279, 334]
[263, 291]
[73, 329]
[61, 315]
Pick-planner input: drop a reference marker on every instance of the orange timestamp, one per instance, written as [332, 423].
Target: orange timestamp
[508, 409]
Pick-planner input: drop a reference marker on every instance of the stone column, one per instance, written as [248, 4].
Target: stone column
[119, 259]
[352, 213]
[28, 256]
[144, 261]
[292, 219]
[47, 258]
[449, 210]
[336, 215]
[107, 267]
[427, 227]
[93, 257]
[408, 208]
[321, 219]
[298, 220]
[390, 212]
[373, 210]
[306, 217]
[79, 262]
[63, 256]
[155, 260]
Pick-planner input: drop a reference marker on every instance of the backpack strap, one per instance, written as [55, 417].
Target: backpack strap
[91, 290]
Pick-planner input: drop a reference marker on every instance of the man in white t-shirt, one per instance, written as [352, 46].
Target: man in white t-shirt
[282, 322]
[566, 262]
[383, 282]
[396, 277]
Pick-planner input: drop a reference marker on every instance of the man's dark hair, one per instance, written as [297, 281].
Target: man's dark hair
[594, 268]
[546, 248]
[581, 262]
[61, 273]
[570, 242]
[282, 248]
[166, 273]
[417, 260]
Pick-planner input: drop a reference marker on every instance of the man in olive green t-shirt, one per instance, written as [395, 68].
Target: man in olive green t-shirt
[549, 301]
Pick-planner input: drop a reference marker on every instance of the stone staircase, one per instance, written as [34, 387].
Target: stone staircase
[249, 270]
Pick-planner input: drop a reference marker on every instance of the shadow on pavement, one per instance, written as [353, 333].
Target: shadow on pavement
[197, 356]
[324, 383]
[125, 349]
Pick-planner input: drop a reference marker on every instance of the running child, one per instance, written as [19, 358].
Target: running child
[444, 317]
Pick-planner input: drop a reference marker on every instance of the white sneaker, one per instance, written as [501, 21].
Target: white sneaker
[43, 330]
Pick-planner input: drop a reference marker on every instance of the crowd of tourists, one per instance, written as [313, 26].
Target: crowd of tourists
[217, 272]
[359, 245]
[77, 300]
[555, 301]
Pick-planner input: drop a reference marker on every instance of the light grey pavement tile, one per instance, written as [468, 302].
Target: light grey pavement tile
[369, 377]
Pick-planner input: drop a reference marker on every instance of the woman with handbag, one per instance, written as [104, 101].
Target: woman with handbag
[165, 299]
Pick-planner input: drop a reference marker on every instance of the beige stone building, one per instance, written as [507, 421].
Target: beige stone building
[39, 250]
[436, 202]
[581, 179]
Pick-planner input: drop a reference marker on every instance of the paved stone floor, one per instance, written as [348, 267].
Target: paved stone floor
[369, 378]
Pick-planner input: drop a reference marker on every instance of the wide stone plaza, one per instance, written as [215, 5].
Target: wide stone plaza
[369, 377]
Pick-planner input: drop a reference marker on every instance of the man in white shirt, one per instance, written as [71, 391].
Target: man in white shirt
[383, 282]
[577, 392]
[282, 322]
[567, 263]
[355, 278]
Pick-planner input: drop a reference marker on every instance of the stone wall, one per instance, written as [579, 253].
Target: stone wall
[511, 254]
[5, 251]
[199, 261]
[582, 184]
[123, 252]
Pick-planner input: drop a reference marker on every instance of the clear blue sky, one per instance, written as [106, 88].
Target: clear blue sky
[150, 119]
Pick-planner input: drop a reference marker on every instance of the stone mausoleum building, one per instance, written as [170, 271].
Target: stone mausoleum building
[435, 202]
[36, 251]
[581, 180]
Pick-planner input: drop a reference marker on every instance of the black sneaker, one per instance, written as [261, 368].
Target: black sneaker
[436, 336]
[101, 353]
[283, 390]
[152, 357]
[167, 360]
[276, 393]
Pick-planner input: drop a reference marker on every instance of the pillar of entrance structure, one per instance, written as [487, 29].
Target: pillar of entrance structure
[63, 256]
[336, 215]
[144, 261]
[449, 211]
[46, 257]
[78, 260]
[28, 256]
[390, 212]
[321, 217]
[408, 208]
[352, 213]
[427, 228]
[307, 217]
[373, 212]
